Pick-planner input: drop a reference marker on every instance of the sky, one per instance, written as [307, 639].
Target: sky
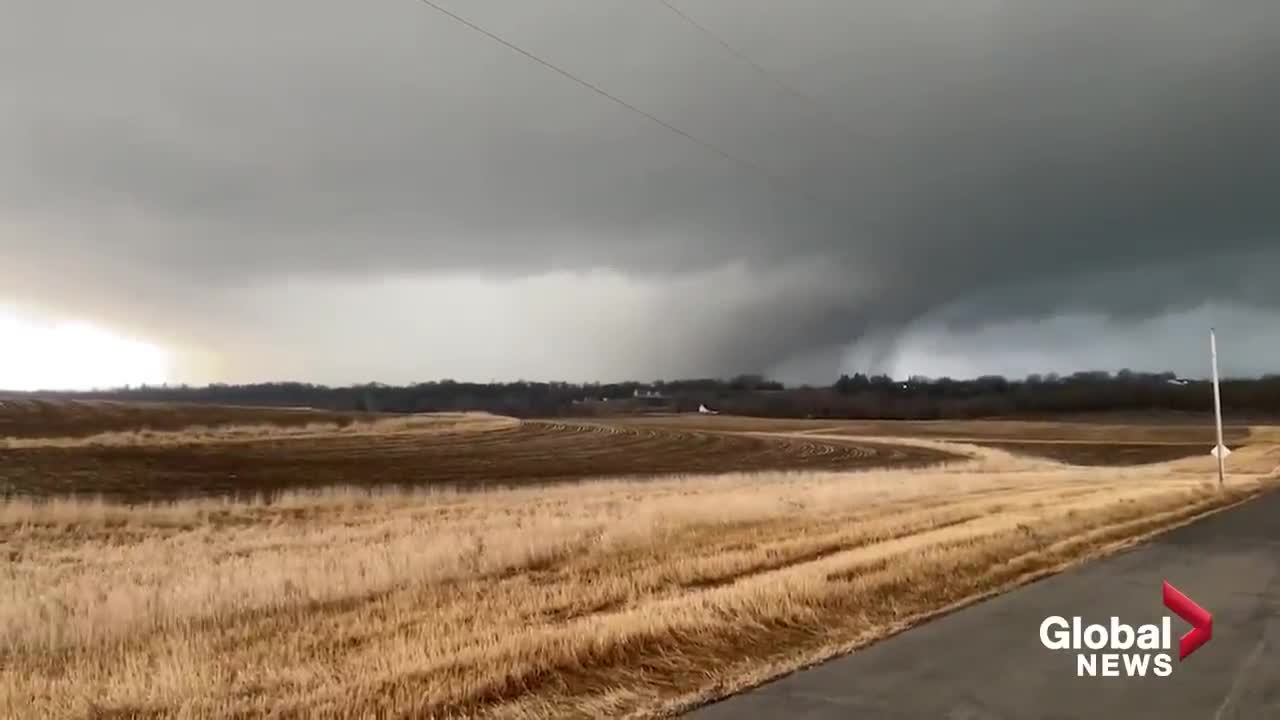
[346, 192]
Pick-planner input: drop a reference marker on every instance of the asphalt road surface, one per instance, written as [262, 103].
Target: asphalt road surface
[987, 661]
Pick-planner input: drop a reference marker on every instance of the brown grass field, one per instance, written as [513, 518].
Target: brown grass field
[687, 557]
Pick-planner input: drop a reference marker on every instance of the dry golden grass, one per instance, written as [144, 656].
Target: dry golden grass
[609, 598]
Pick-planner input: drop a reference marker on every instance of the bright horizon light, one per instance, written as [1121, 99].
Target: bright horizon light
[69, 355]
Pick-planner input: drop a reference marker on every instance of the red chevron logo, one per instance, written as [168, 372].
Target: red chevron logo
[1200, 619]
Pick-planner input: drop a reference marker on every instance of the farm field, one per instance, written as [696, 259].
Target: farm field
[259, 454]
[688, 558]
[1102, 442]
[987, 430]
[24, 417]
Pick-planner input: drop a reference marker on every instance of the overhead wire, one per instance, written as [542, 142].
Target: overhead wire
[742, 56]
[778, 181]
[817, 105]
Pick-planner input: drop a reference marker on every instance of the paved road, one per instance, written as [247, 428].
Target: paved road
[986, 662]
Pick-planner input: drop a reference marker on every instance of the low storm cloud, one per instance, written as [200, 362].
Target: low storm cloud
[342, 192]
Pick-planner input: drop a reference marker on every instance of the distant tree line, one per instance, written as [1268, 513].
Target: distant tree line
[860, 396]
[851, 396]
[519, 398]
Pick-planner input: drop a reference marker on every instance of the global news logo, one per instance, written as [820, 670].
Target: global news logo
[1118, 649]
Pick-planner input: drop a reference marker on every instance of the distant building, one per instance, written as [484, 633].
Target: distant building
[642, 393]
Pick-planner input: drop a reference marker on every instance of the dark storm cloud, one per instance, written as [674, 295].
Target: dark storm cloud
[967, 162]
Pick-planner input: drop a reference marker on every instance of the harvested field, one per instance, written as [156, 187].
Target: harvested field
[424, 424]
[1168, 431]
[1075, 443]
[615, 598]
[448, 450]
[399, 569]
[29, 417]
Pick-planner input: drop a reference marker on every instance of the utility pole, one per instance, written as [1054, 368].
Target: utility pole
[1221, 450]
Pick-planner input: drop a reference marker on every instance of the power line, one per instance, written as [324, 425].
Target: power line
[785, 86]
[773, 178]
[763, 71]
